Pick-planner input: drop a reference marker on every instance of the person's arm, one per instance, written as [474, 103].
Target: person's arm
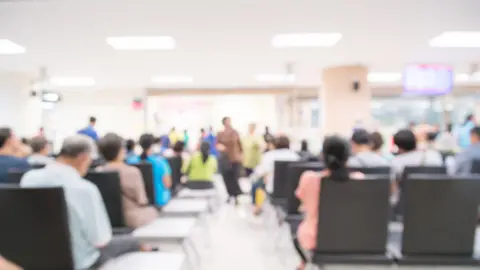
[186, 165]
[166, 173]
[98, 229]
[220, 142]
[307, 186]
[7, 265]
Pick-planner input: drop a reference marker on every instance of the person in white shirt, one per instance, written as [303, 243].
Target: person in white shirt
[40, 151]
[446, 142]
[363, 156]
[89, 225]
[263, 173]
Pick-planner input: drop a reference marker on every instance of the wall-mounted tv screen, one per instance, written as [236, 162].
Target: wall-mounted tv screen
[428, 79]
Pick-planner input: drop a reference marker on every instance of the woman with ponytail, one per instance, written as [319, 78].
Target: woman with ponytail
[162, 180]
[201, 168]
[336, 152]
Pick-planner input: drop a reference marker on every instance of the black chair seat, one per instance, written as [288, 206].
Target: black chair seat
[439, 260]
[357, 259]
[120, 231]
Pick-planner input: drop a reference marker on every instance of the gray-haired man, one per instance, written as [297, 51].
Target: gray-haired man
[90, 229]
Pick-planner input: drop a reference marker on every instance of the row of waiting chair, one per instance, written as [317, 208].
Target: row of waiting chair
[439, 224]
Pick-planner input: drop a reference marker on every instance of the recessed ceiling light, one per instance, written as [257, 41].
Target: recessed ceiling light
[306, 40]
[384, 77]
[276, 78]
[456, 40]
[142, 43]
[9, 47]
[165, 79]
[72, 81]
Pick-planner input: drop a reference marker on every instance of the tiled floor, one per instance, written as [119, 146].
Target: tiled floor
[240, 241]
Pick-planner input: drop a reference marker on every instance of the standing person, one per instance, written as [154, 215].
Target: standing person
[173, 136]
[267, 137]
[212, 140]
[90, 129]
[464, 131]
[304, 153]
[252, 147]
[90, 231]
[464, 160]
[9, 145]
[363, 156]
[136, 210]
[200, 168]
[230, 148]
[186, 138]
[445, 141]
[40, 151]
[130, 147]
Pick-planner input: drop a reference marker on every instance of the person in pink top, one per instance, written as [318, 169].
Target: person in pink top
[336, 152]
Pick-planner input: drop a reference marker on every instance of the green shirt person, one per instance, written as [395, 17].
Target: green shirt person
[252, 151]
[202, 166]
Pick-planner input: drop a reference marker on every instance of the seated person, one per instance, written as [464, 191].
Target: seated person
[408, 155]
[263, 174]
[89, 225]
[464, 160]
[40, 152]
[363, 155]
[9, 144]
[130, 146]
[135, 203]
[7, 265]
[304, 153]
[200, 168]
[335, 152]
[162, 180]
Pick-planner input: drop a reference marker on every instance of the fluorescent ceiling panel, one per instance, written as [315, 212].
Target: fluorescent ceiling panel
[306, 40]
[169, 79]
[142, 43]
[72, 81]
[456, 40]
[9, 47]
[384, 77]
[276, 78]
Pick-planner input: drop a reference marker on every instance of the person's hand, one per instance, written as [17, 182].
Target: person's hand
[7, 265]
[221, 147]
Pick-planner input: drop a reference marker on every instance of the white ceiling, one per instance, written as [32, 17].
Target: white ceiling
[224, 43]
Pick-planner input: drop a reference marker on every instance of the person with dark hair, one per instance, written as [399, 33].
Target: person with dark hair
[231, 155]
[201, 168]
[90, 129]
[408, 155]
[445, 141]
[252, 149]
[211, 138]
[130, 147]
[335, 152]
[465, 159]
[267, 136]
[304, 153]
[377, 142]
[263, 174]
[134, 197]
[363, 156]
[40, 151]
[464, 131]
[178, 148]
[9, 145]
[162, 180]
[90, 230]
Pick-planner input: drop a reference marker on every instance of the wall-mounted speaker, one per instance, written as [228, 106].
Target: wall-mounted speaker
[356, 86]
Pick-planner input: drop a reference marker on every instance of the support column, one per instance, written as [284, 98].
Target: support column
[344, 107]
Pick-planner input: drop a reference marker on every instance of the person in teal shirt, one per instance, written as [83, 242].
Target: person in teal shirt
[186, 138]
[464, 131]
[162, 180]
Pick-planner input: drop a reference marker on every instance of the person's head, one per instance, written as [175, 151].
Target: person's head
[130, 145]
[93, 121]
[146, 141]
[185, 131]
[361, 140]
[251, 128]
[449, 128]
[205, 150]
[41, 129]
[8, 141]
[469, 118]
[178, 147]
[210, 129]
[77, 152]
[412, 125]
[111, 147]
[405, 140]
[335, 152]
[172, 129]
[282, 142]
[24, 141]
[304, 146]
[202, 132]
[475, 135]
[226, 121]
[431, 136]
[377, 141]
[39, 145]
[267, 130]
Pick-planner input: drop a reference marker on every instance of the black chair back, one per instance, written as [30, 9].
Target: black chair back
[440, 215]
[382, 170]
[353, 216]
[38, 166]
[34, 229]
[108, 183]
[176, 166]
[280, 178]
[475, 167]
[147, 174]
[295, 171]
[14, 177]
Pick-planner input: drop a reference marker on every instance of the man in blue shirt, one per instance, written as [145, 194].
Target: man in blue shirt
[464, 160]
[9, 144]
[464, 131]
[90, 130]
